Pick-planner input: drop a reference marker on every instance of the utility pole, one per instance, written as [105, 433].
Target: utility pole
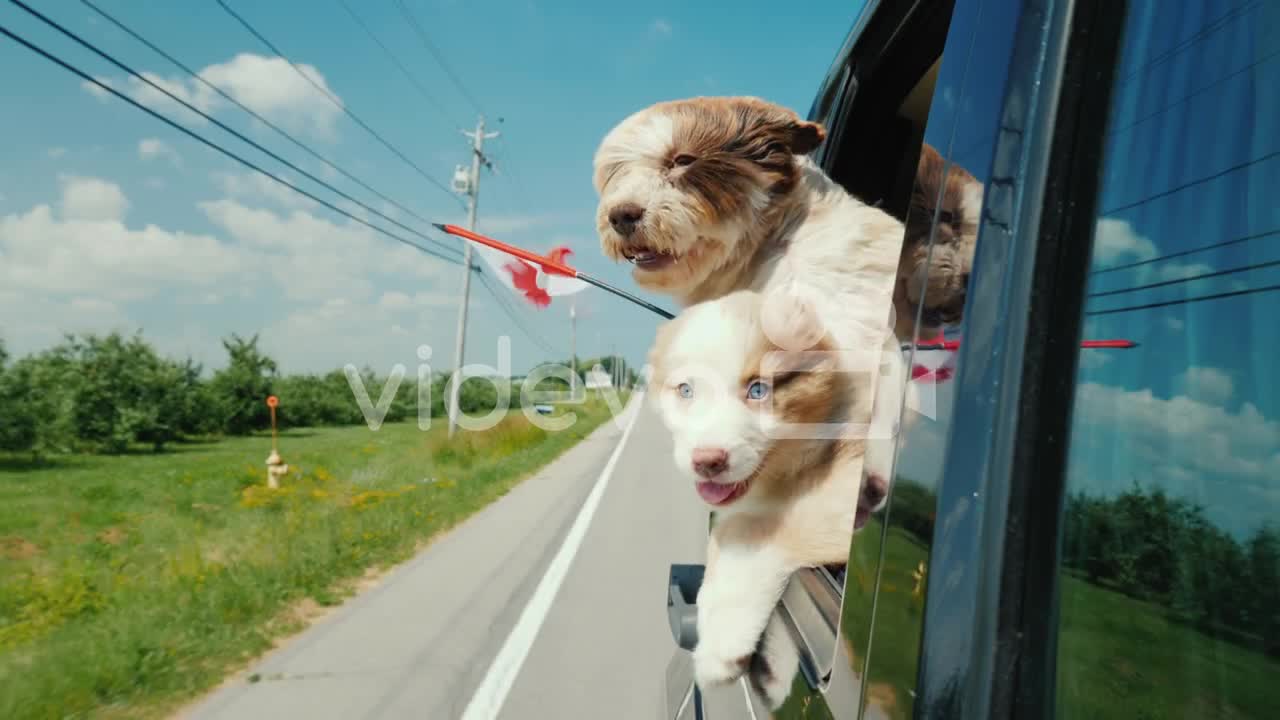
[573, 349]
[473, 197]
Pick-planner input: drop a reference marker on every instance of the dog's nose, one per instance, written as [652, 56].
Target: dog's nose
[625, 217]
[710, 462]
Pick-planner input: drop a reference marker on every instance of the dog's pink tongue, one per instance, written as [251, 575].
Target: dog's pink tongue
[717, 493]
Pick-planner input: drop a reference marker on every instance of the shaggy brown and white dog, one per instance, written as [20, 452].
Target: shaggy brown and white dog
[712, 196]
[938, 278]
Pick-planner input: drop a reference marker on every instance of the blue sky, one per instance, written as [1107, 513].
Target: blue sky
[112, 220]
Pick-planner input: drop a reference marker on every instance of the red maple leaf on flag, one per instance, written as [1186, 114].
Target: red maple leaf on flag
[525, 278]
[558, 253]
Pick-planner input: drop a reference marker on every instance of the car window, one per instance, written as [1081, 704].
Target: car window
[1170, 580]
[891, 574]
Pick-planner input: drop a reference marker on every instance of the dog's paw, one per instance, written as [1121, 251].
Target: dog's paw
[711, 669]
[726, 642]
[775, 665]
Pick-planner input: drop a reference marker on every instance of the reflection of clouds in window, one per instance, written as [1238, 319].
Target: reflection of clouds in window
[1208, 384]
[1189, 443]
[1115, 241]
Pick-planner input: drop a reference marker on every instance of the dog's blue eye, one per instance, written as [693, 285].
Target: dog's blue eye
[685, 390]
[757, 390]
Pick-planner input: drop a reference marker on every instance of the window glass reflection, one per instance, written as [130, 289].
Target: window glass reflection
[1170, 597]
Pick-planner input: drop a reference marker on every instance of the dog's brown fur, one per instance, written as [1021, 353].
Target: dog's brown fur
[954, 196]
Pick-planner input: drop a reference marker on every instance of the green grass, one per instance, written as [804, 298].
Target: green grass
[129, 584]
[1123, 658]
[1119, 657]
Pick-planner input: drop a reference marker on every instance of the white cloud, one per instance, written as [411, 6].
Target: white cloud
[87, 250]
[34, 321]
[1115, 241]
[342, 330]
[253, 185]
[85, 198]
[1179, 271]
[56, 152]
[155, 148]
[395, 300]
[268, 85]
[1092, 359]
[508, 224]
[313, 258]
[271, 87]
[1182, 431]
[661, 27]
[97, 91]
[1207, 384]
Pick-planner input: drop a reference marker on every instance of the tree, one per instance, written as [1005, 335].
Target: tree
[243, 386]
[17, 419]
[1263, 560]
[126, 393]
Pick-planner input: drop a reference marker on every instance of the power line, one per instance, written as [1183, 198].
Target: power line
[107, 16]
[229, 98]
[1192, 278]
[1204, 32]
[1193, 183]
[435, 104]
[431, 48]
[212, 145]
[109, 58]
[1184, 301]
[338, 103]
[1199, 91]
[1184, 253]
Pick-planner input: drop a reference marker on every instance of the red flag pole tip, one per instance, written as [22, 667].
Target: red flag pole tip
[549, 266]
[1094, 344]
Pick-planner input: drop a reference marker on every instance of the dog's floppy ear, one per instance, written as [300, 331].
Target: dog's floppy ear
[790, 320]
[805, 136]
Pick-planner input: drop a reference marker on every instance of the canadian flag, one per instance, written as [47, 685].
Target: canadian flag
[933, 366]
[528, 279]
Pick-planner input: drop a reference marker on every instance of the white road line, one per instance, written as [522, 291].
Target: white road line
[492, 693]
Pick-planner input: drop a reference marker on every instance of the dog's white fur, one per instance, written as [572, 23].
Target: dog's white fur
[764, 219]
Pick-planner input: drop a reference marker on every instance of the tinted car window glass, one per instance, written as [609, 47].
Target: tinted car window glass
[1170, 585]
[890, 577]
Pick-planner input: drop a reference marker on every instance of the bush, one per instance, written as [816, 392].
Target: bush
[108, 393]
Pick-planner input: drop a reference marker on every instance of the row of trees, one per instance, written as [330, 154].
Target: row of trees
[1158, 548]
[109, 393]
[1152, 546]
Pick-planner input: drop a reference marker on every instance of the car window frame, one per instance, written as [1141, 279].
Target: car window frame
[1000, 500]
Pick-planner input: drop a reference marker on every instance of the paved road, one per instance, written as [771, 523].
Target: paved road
[575, 634]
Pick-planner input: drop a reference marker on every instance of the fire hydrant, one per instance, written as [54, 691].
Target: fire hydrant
[276, 469]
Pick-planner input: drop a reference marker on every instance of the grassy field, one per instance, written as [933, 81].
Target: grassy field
[1123, 658]
[1119, 657]
[128, 584]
